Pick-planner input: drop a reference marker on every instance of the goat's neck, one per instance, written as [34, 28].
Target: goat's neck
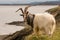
[30, 19]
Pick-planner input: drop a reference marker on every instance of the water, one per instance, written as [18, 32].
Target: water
[8, 14]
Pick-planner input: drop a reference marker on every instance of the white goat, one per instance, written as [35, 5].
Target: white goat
[39, 21]
[44, 21]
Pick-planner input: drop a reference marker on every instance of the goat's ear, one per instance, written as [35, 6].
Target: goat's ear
[21, 14]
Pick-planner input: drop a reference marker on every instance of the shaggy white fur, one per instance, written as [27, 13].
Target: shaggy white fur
[45, 21]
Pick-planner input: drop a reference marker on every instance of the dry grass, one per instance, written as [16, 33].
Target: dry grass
[56, 35]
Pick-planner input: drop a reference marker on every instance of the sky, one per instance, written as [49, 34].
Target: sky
[21, 1]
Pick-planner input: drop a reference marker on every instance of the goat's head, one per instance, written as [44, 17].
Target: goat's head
[24, 13]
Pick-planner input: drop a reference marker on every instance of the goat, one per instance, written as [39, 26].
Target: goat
[39, 21]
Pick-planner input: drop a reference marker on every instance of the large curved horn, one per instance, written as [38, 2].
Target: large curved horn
[20, 9]
[26, 8]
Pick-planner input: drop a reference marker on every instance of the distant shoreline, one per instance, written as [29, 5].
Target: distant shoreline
[17, 5]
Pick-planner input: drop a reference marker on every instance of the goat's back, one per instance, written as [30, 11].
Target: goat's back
[43, 19]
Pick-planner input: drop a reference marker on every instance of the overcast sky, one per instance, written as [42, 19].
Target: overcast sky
[22, 1]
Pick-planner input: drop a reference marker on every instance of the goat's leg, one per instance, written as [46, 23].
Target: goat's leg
[52, 28]
[35, 29]
[49, 28]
